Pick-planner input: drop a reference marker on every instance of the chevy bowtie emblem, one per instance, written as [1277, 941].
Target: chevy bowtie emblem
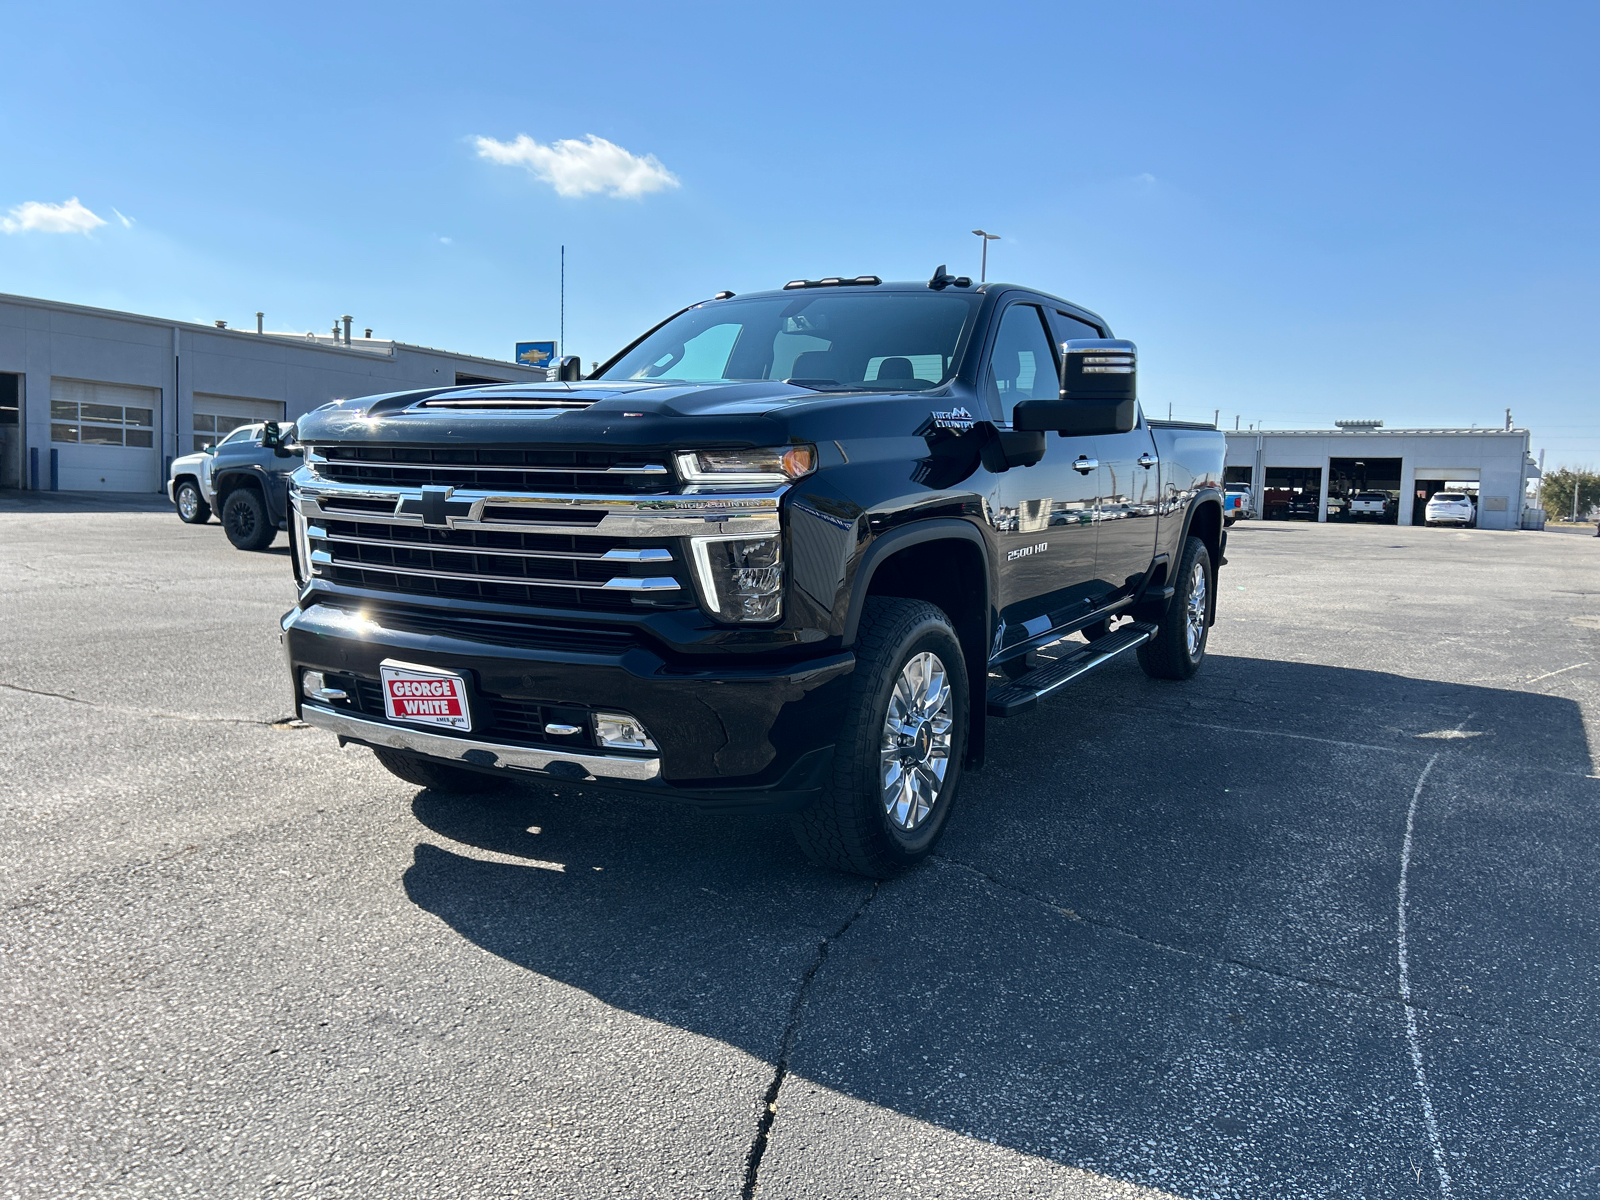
[956, 418]
[433, 499]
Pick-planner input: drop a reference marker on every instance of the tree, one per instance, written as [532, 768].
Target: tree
[1556, 495]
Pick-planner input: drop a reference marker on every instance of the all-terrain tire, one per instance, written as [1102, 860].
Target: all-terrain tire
[439, 776]
[191, 504]
[1179, 646]
[848, 827]
[245, 520]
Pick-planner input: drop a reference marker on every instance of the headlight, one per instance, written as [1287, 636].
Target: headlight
[771, 467]
[302, 544]
[741, 579]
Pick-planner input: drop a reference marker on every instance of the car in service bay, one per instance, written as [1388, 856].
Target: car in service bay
[788, 551]
[1451, 508]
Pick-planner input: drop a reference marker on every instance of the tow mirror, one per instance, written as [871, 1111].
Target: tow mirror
[1099, 391]
[569, 369]
[271, 436]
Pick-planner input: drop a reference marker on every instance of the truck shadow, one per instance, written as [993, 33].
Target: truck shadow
[1157, 942]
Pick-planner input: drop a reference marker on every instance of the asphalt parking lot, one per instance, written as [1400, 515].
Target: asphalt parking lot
[1159, 952]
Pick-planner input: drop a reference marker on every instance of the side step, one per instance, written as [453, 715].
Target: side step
[1020, 695]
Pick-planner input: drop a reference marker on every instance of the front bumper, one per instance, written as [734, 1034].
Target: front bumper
[566, 764]
[731, 736]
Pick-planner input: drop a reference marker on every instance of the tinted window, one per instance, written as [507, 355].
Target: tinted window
[823, 339]
[1070, 328]
[1021, 365]
[1448, 496]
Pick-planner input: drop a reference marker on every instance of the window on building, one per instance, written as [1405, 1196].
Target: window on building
[95, 423]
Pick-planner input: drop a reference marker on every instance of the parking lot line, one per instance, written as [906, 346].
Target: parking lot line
[1413, 1038]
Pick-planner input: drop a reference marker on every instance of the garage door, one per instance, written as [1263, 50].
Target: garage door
[104, 434]
[215, 417]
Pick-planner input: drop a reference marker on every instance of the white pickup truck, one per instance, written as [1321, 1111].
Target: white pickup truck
[1369, 505]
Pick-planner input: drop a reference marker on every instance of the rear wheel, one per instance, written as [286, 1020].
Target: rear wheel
[1179, 646]
[903, 735]
[244, 519]
[431, 773]
[191, 505]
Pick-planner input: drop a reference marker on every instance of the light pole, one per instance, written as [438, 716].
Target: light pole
[983, 270]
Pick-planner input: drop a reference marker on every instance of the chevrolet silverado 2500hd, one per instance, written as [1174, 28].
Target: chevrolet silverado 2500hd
[788, 550]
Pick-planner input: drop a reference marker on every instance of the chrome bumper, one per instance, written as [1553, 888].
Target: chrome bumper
[477, 754]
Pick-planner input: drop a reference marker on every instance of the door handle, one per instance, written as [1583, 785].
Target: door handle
[1086, 465]
[1147, 461]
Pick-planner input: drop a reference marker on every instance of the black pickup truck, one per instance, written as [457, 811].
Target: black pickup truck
[250, 485]
[788, 550]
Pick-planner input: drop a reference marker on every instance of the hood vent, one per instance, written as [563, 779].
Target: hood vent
[486, 401]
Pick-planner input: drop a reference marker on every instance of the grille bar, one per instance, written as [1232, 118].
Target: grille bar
[523, 469]
[322, 558]
[318, 533]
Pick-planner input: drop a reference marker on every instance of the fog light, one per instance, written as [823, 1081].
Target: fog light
[314, 686]
[619, 731]
[741, 579]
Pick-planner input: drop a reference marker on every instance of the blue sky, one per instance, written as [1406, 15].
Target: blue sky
[1298, 214]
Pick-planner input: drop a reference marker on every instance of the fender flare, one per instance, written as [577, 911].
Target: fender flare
[902, 538]
[225, 482]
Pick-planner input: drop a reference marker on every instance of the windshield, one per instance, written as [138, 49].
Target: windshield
[1450, 497]
[1372, 496]
[829, 341]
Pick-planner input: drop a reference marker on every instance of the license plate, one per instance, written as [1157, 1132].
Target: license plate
[424, 696]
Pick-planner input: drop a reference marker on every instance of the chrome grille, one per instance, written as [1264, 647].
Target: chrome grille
[574, 529]
[514, 568]
[516, 470]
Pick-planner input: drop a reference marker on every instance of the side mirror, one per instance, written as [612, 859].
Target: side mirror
[1099, 391]
[569, 368]
[271, 436]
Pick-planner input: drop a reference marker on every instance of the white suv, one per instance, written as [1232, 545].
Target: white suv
[1451, 508]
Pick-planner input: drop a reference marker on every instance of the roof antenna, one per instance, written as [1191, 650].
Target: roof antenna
[943, 279]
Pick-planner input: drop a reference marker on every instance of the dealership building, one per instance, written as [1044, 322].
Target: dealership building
[1280, 466]
[95, 400]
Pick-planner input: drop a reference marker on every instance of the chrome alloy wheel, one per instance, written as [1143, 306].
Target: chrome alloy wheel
[1195, 616]
[188, 502]
[915, 755]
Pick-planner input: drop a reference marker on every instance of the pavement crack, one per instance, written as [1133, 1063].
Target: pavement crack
[791, 1031]
[13, 687]
[1309, 981]
[126, 710]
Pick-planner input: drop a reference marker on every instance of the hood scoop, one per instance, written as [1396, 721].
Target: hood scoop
[501, 403]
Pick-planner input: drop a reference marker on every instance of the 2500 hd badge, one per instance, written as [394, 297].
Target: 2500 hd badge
[782, 585]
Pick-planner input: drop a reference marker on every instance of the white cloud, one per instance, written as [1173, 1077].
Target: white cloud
[127, 222]
[36, 217]
[447, 241]
[577, 168]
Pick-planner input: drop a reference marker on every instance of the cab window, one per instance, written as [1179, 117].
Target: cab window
[1022, 365]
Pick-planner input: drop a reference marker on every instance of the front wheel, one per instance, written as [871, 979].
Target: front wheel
[903, 733]
[1179, 645]
[192, 506]
[244, 519]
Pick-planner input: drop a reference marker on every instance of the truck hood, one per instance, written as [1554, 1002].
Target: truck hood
[602, 414]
